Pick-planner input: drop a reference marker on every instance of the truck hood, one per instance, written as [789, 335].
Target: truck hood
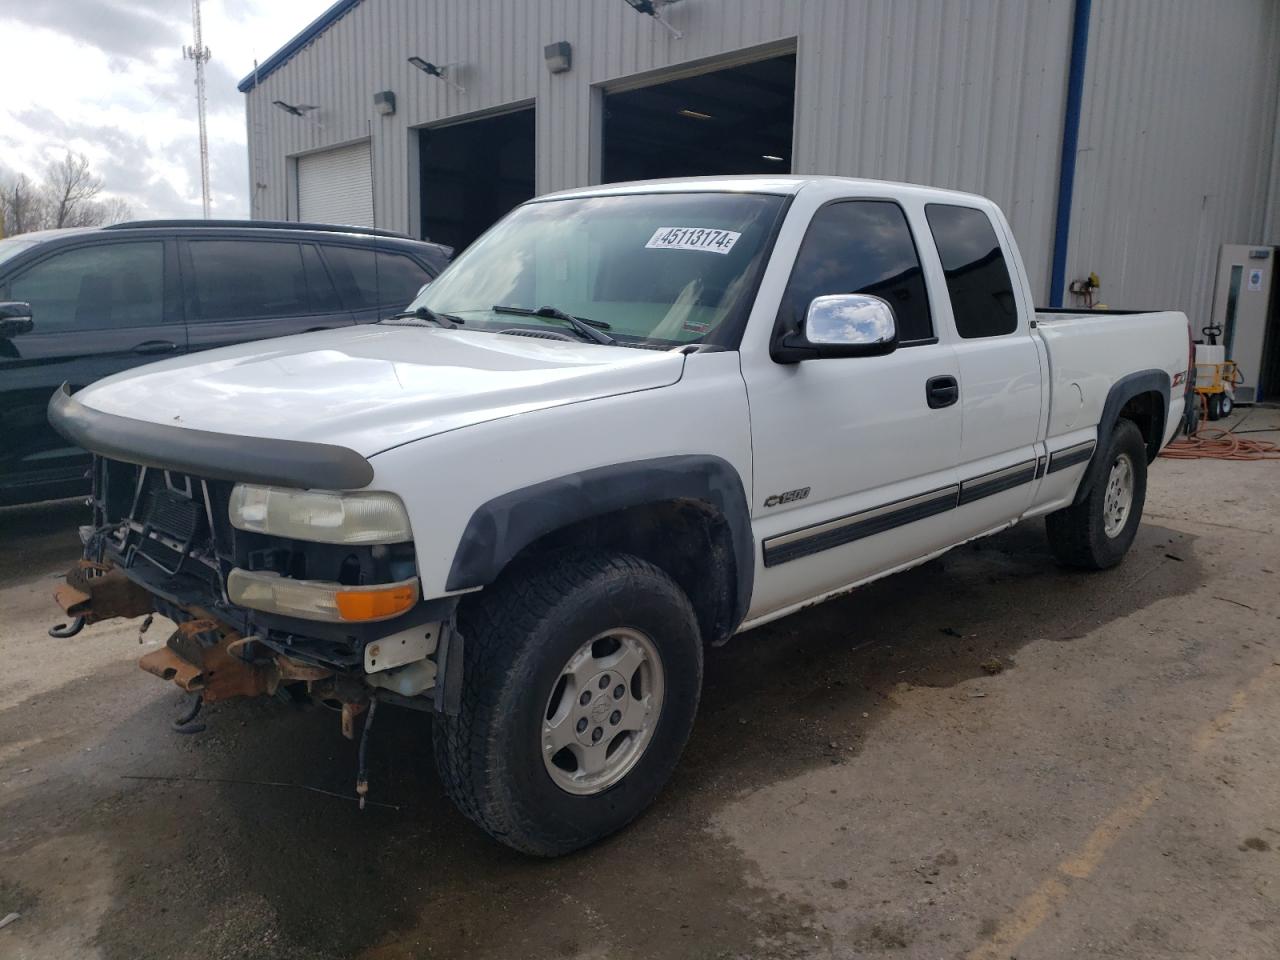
[370, 388]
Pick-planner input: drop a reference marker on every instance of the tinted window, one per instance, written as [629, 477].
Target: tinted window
[977, 277]
[95, 288]
[324, 297]
[240, 279]
[391, 279]
[861, 246]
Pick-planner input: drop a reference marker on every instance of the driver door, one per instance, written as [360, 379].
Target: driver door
[854, 457]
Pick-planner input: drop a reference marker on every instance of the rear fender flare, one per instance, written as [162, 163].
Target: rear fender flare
[1121, 392]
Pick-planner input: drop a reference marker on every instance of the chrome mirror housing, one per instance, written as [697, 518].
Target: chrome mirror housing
[851, 319]
[840, 325]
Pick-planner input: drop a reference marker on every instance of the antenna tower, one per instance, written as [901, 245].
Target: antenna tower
[199, 53]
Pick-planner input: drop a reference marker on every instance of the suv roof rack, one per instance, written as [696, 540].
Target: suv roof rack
[259, 224]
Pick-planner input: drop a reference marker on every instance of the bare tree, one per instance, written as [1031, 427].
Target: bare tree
[67, 197]
[114, 210]
[71, 189]
[22, 206]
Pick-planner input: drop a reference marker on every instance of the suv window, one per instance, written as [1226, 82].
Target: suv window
[243, 279]
[106, 286]
[977, 276]
[861, 246]
[392, 279]
[324, 297]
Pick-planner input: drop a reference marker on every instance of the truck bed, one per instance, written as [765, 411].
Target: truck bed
[1089, 351]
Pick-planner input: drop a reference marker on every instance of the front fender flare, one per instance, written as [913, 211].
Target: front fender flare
[505, 525]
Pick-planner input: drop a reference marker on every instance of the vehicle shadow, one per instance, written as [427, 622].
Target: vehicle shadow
[225, 868]
[38, 537]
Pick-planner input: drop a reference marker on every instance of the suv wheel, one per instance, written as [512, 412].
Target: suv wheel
[581, 678]
[1095, 533]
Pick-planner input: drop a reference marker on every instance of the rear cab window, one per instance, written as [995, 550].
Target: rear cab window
[978, 281]
[861, 246]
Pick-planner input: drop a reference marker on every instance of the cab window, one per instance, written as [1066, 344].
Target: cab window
[861, 246]
[977, 277]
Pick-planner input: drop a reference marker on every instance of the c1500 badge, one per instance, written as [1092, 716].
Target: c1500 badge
[791, 496]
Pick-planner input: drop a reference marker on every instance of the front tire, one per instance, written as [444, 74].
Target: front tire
[1095, 533]
[581, 678]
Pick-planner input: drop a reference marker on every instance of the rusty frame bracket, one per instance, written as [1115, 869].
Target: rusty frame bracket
[201, 656]
[99, 591]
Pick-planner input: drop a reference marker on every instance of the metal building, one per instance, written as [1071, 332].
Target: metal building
[1124, 137]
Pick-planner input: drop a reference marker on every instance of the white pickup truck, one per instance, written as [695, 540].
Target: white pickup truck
[629, 422]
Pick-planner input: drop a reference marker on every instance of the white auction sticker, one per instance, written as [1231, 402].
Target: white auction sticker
[692, 238]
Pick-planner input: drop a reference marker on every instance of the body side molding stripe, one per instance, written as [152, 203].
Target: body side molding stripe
[1070, 456]
[997, 481]
[855, 526]
[806, 541]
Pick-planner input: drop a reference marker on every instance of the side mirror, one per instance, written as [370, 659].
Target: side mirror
[842, 325]
[15, 318]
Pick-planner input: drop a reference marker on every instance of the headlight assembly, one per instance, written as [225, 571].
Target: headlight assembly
[362, 517]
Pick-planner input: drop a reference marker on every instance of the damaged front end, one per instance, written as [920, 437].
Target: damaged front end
[258, 612]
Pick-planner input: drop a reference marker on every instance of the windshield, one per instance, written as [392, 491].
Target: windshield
[14, 246]
[657, 269]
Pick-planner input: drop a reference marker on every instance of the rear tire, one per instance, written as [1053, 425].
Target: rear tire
[563, 655]
[1095, 533]
[1226, 405]
[1215, 406]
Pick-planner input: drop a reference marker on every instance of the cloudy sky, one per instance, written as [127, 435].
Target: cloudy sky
[106, 78]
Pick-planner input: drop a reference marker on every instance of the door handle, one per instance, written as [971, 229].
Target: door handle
[941, 391]
[156, 346]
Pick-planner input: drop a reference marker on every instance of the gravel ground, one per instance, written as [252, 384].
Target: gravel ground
[986, 757]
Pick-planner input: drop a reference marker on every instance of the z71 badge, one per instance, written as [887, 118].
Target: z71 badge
[791, 496]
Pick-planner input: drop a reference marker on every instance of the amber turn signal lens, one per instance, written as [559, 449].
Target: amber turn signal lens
[376, 604]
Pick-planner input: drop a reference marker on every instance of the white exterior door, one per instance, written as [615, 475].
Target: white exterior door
[853, 468]
[336, 186]
[1002, 382]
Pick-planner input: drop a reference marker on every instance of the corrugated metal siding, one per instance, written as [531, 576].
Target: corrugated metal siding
[1176, 143]
[968, 94]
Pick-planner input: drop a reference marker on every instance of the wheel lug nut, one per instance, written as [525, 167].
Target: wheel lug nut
[604, 681]
[615, 717]
[585, 698]
[596, 734]
[582, 724]
[618, 691]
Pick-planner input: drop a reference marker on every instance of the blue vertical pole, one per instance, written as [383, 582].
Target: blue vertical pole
[1070, 140]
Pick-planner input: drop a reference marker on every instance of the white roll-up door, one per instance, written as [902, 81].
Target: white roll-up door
[335, 186]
